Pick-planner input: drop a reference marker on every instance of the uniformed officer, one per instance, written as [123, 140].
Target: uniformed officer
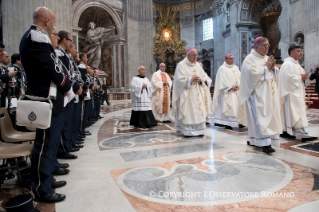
[76, 121]
[85, 69]
[42, 67]
[66, 141]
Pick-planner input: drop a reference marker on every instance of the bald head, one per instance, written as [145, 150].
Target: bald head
[44, 18]
[192, 55]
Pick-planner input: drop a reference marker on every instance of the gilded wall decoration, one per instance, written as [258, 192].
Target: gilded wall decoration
[184, 6]
[167, 22]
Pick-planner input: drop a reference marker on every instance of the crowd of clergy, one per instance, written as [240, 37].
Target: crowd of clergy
[269, 101]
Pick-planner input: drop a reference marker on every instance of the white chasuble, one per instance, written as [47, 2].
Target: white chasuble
[161, 95]
[225, 101]
[258, 101]
[191, 100]
[292, 99]
[141, 96]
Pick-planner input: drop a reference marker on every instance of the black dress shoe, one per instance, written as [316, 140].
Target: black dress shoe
[87, 133]
[100, 117]
[74, 149]
[50, 198]
[248, 143]
[168, 121]
[241, 126]
[66, 155]
[77, 146]
[80, 139]
[286, 135]
[268, 149]
[58, 184]
[61, 171]
[63, 165]
[82, 136]
[309, 139]
[79, 142]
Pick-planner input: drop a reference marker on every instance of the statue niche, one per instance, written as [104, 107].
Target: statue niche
[97, 26]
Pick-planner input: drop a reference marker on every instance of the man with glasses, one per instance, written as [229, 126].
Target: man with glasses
[38, 58]
[162, 84]
[258, 98]
[292, 96]
[225, 100]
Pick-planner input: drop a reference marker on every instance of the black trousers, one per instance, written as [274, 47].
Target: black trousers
[46, 145]
[104, 98]
[87, 105]
[76, 121]
[97, 106]
[67, 133]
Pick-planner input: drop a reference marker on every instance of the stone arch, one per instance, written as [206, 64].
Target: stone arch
[80, 5]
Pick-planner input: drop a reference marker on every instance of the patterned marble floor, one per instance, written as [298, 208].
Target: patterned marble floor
[122, 168]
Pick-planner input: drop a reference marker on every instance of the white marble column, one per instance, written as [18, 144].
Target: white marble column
[139, 33]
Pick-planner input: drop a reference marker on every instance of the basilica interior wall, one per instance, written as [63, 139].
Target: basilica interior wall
[139, 34]
[301, 17]
[17, 19]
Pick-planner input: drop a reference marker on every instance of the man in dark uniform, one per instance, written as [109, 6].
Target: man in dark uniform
[5, 87]
[67, 133]
[97, 95]
[76, 121]
[315, 75]
[42, 67]
[104, 97]
[21, 79]
[84, 69]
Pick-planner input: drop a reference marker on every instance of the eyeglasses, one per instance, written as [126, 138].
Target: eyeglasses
[265, 45]
[231, 58]
[69, 39]
[56, 34]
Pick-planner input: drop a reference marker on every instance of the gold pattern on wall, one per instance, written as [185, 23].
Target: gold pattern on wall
[167, 35]
[167, 25]
[185, 6]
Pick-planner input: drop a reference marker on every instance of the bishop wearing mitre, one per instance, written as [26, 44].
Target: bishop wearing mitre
[258, 98]
[191, 96]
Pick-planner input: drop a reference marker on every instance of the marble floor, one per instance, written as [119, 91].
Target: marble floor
[122, 168]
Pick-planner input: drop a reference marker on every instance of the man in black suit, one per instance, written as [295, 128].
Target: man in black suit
[43, 67]
[104, 97]
[315, 75]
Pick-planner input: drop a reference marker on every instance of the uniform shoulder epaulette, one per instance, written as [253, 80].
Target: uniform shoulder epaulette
[82, 66]
[59, 53]
[39, 37]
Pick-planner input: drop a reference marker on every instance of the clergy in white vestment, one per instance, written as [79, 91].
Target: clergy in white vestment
[258, 98]
[162, 84]
[191, 96]
[292, 96]
[141, 87]
[225, 100]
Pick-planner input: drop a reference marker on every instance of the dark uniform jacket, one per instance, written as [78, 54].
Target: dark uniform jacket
[68, 66]
[42, 66]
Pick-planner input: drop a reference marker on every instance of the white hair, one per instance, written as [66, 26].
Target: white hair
[162, 64]
[229, 55]
[139, 68]
[190, 51]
